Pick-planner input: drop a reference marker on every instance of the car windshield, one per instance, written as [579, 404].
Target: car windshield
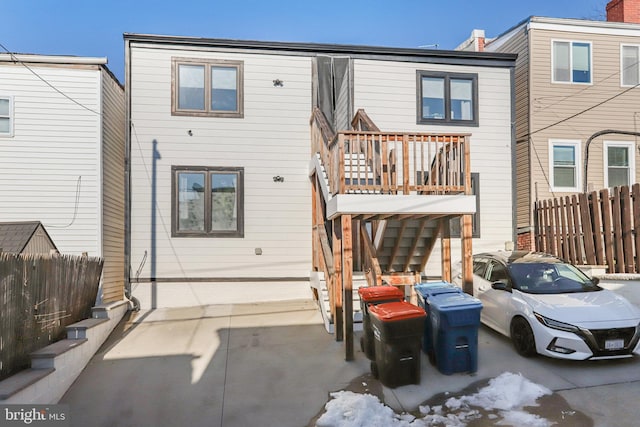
[550, 278]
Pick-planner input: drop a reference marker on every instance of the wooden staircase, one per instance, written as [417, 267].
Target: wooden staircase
[319, 283]
[380, 203]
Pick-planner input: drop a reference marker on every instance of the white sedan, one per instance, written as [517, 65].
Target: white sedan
[549, 307]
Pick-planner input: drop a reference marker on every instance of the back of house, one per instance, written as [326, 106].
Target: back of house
[221, 205]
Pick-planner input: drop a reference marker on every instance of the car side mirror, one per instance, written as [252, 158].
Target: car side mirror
[500, 286]
[595, 280]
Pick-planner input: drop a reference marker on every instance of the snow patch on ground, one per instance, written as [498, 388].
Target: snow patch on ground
[507, 394]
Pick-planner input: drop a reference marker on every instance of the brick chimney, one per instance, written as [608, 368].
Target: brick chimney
[624, 11]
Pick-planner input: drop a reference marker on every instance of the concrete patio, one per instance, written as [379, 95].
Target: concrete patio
[273, 364]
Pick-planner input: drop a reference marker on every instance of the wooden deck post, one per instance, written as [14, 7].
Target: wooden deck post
[445, 243]
[467, 254]
[337, 282]
[347, 284]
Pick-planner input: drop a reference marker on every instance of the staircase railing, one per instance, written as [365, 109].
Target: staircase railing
[325, 258]
[399, 163]
[370, 161]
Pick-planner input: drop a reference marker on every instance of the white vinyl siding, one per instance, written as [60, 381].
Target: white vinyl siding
[50, 169]
[113, 176]
[619, 163]
[387, 92]
[272, 139]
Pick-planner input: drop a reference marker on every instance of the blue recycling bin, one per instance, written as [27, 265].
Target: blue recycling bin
[425, 292]
[455, 320]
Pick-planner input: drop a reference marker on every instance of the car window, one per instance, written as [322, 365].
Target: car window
[498, 273]
[479, 266]
[550, 278]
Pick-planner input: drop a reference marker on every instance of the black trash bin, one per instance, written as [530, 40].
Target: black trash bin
[455, 319]
[374, 295]
[397, 330]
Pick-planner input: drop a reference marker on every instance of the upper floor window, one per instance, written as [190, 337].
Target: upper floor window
[207, 88]
[571, 62]
[6, 116]
[447, 98]
[629, 69]
[564, 165]
[207, 202]
[619, 163]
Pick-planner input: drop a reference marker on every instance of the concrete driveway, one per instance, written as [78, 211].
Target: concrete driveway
[273, 364]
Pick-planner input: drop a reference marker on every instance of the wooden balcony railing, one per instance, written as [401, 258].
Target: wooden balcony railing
[367, 161]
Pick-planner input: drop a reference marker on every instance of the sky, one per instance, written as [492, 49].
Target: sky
[504, 401]
[94, 28]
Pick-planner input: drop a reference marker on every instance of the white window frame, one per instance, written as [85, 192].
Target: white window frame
[578, 165]
[11, 117]
[622, 46]
[571, 42]
[632, 160]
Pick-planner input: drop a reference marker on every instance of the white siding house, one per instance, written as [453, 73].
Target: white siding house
[181, 146]
[62, 155]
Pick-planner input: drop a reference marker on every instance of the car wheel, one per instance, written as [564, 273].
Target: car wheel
[522, 337]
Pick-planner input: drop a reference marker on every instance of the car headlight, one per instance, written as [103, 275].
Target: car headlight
[554, 324]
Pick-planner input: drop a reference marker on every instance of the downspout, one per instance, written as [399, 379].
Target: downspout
[591, 138]
[127, 179]
[514, 176]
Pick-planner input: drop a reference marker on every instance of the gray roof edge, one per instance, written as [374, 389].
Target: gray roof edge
[320, 48]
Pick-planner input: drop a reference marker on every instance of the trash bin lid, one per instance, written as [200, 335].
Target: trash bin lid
[454, 301]
[380, 293]
[429, 289]
[393, 311]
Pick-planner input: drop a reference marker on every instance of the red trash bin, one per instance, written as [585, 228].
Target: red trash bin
[374, 295]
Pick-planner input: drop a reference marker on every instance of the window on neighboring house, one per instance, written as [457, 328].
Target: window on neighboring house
[447, 98]
[207, 202]
[6, 116]
[207, 88]
[571, 62]
[454, 223]
[619, 163]
[630, 71]
[565, 165]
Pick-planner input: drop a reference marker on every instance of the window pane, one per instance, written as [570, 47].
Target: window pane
[630, 70]
[4, 107]
[461, 99]
[564, 155]
[618, 177]
[564, 177]
[561, 62]
[432, 98]
[618, 156]
[191, 201]
[224, 93]
[224, 202]
[581, 63]
[191, 87]
[4, 125]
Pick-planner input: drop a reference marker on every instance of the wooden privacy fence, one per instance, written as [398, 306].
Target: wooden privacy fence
[39, 297]
[597, 228]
